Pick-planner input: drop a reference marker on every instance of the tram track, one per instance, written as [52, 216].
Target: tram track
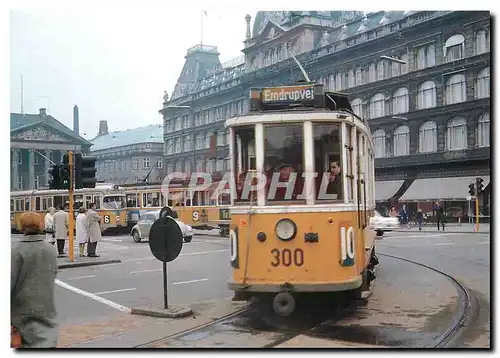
[240, 328]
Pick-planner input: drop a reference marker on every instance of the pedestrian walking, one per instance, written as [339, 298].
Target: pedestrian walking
[32, 276]
[393, 213]
[50, 235]
[420, 219]
[61, 219]
[94, 231]
[404, 217]
[82, 230]
[439, 213]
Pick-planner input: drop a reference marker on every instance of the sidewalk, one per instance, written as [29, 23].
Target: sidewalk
[464, 228]
[103, 259]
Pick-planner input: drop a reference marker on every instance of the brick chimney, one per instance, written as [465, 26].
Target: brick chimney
[103, 128]
[43, 112]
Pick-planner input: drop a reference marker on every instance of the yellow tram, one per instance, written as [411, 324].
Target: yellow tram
[197, 206]
[302, 196]
[109, 200]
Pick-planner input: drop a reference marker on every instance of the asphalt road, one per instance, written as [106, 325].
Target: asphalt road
[466, 257]
[199, 273]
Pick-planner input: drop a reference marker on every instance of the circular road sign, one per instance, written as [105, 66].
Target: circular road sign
[165, 239]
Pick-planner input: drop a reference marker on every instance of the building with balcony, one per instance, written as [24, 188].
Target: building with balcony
[429, 113]
[129, 156]
[36, 140]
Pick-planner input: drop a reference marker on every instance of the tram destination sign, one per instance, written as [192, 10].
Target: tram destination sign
[288, 96]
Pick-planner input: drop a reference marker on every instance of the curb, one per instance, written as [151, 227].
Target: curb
[163, 313]
[88, 263]
[449, 232]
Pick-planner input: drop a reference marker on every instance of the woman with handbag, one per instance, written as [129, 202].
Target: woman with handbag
[32, 277]
[50, 234]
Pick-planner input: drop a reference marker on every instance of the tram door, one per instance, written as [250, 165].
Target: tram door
[361, 183]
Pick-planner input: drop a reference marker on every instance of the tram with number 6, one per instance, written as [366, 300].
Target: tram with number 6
[301, 197]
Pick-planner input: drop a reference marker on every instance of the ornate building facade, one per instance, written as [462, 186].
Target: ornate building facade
[421, 78]
[35, 136]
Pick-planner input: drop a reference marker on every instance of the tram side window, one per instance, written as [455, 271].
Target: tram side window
[45, 207]
[349, 132]
[244, 160]
[88, 201]
[328, 161]
[27, 204]
[66, 202]
[97, 201]
[11, 204]
[37, 204]
[131, 200]
[284, 160]
[58, 201]
[19, 204]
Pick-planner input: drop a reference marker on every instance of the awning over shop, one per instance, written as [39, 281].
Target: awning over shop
[441, 188]
[384, 190]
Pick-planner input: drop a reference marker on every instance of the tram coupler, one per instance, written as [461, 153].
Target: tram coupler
[284, 303]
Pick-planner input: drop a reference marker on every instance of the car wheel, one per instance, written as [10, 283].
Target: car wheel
[136, 236]
[188, 239]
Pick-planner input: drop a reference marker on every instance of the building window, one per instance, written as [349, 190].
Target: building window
[187, 143]
[37, 157]
[199, 141]
[396, 69]
[483, 131]
[481, 43]
[145, 163]
[187, 166]
[359, 76]
[338, 81]
[19, 156]
[219, 165]
[169, 147]
[177, 145]
[350, 78]
[357, 106]
[456, 136]
[482, 88]
[135, 163]
[377, 106]
[426, 97]
[331, 83]
[199, 165]
[454, 48]
[170, 168]
[380, 70]
[379, 142]
[426, 56]
[372, 73]
[400, 102]
[207, 139]
[159, 162]
[37, 181]
[455, 89]
[178, 166]
[427, 137]
[404, 67]
[401, 141]
[210, 166]
[221, 136]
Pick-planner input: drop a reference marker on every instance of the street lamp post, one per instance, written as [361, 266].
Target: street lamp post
[192, 132]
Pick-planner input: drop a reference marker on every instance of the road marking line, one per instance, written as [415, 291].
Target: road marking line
[182, 282]
[155, 270]
[119, 240]
[94, 297]
[444, 243]
[202, 252]
[79, 277]
[122, 290]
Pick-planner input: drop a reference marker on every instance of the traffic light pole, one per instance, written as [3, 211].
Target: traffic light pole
[71, 222]
[477, 208]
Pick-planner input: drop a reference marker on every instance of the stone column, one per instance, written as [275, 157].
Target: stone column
[15, 171]
[47, 166]
[31, 169]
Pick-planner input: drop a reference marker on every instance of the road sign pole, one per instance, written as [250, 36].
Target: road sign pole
[71, 216]
[165, 283]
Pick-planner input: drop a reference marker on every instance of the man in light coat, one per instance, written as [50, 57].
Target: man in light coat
[82, 230]
[94, 231]
[50, 235]
[61, 219]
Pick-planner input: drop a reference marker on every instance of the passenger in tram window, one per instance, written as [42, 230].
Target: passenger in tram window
[335, 180]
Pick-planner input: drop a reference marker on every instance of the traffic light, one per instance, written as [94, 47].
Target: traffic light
[55, 180]
[479, 185]
[65, 172]
[471, 189]
[85, 171]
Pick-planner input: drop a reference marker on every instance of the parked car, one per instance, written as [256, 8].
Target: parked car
[382, 224]
[140, 230]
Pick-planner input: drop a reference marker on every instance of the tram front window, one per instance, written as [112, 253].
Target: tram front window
[283, 161]
[244, 150]
[328, 161]
[114, 202]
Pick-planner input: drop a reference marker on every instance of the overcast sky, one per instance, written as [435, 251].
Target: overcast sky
[113, 63]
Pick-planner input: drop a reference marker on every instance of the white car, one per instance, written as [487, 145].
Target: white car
[140, 230]
[382, 224]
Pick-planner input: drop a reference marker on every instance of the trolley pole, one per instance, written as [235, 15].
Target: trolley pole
[477, 207]
[71, 223]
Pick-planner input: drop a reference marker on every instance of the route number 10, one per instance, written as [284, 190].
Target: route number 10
[347, 246]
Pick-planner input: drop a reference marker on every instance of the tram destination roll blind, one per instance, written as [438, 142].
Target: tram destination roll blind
[288, 96]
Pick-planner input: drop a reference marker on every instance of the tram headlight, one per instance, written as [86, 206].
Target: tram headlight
[286, 229]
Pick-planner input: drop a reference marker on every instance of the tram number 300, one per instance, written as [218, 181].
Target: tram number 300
[287, 257]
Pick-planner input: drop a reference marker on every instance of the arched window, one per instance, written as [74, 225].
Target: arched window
[331, 82]
[402, 141]
[210, 168]
[482, 87]
[359, 76]
[178, 166]
[170, 167]
[338, 81]
[379, 142]
[454, 48]
[372, 73]
[187, 166]
[483, 131]
[427, 137]
[426, 95]
[455, 89]
[426, 56]
[200, 165]
[400, 101]
[207, 139]
[404, 67]
[357, 106]
[481, 45]
[377, 106]
[456, 135]
[380, 70]
[199, 141]
[350, 78]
